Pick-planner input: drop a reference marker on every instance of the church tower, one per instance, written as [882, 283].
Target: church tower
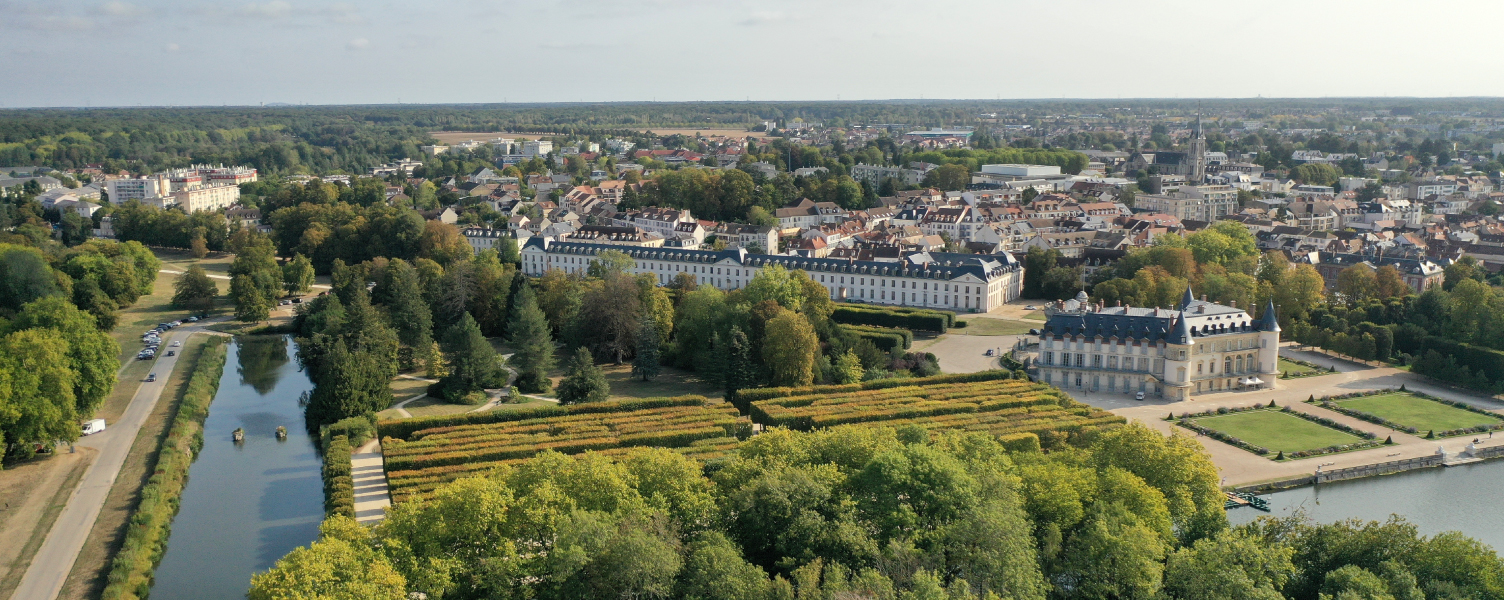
[1196, 154]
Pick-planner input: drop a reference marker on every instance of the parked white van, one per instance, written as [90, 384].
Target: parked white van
[93, 427]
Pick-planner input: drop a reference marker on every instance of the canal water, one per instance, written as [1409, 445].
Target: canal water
[1459, 498]
[246, 503]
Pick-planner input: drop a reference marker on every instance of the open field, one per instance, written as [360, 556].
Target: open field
[1276, 431]
[1413, 411]
[35, 492]
[1034, 316]
[133, 321]
[987, 326]
[87, 579]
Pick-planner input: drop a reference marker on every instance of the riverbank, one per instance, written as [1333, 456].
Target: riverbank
[131, 570]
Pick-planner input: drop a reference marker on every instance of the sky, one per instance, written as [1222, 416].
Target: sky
[174, 52]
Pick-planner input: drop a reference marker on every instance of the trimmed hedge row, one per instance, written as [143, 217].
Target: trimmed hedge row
[403, 428]
[1486, 361]
[339, 485]
[885, 338]
[134, 565]
[745, 398]
[892, 316]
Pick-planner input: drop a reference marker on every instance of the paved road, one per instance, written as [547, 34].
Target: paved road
[49, 568]
[1240, 467]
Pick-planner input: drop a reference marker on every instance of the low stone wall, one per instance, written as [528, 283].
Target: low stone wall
[1383, 468]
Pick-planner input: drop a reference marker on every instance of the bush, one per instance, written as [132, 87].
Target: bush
[886, 339]
[357, 430]
[134, 564]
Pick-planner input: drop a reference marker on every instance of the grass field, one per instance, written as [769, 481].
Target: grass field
[1413, 411]
[985, 326]
[1286, 366]
[1276, 431]
[1035, 316]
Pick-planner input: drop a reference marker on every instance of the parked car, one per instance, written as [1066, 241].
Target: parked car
[192, 319]
[284, 303]
[1031, 307]
[1139, 397]
[93, 427]
[151, 377]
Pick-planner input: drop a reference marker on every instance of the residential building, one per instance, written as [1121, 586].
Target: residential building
[959, 282]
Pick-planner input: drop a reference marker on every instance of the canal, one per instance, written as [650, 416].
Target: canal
[246, 503]
[1456, 498]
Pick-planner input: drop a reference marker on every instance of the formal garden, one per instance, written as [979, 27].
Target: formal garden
[1292, 368]
[1414, 413]
[1277, 433]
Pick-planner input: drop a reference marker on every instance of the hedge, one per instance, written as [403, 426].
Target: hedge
[403, 428]
[339, 484]
[892, 316]
[1486, 361]
[744, 398]
[885, 338]
[135, 563]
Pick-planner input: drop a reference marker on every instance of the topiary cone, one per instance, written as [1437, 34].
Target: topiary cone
[1388, 441]
[1431, 434]
[1281, 455]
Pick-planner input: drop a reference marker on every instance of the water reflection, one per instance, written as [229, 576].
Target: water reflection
[260, 361]
[1435, 500]
[246, 504]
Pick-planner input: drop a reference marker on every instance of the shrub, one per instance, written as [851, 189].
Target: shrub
[357, 430]
[892, 316]
[339, 486]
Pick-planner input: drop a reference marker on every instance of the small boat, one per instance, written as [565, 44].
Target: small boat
[238, 434]
[281, 432]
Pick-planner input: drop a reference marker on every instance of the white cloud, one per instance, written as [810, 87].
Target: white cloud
[358, 44]
[115, 8]
[275, 9]
[171, 48]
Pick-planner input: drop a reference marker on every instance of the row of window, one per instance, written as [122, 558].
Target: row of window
[1098, 361]
[1093, 382]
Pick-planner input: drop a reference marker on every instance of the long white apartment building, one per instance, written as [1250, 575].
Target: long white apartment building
[196, 188]
[958, 282]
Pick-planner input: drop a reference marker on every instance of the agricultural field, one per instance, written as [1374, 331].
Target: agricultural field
[1413, 411]
[1008, 408]
[423, 453]
[1277, 431]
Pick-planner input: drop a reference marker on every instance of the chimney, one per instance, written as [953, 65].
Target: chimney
[1119, 302]
[1203, 297]
[1234, 303]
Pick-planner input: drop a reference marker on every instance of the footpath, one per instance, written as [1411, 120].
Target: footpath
[368, 474]
[49, 568]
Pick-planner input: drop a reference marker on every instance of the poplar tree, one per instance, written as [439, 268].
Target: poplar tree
[645, 363]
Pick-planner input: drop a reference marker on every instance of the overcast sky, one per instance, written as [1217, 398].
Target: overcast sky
[168, 52]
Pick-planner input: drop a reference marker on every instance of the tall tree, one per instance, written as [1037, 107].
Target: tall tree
[473, 364]
[789, 348]
[741, 367]
[250, 303]
[297, 275]
[645, 362]
[92, 354]
[532, 346]
[399, 291]
[37, 405]
[194, 291]
[349, 384]
[583, 380]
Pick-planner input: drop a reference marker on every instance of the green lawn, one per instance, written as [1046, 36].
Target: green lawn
[1286, 366]
[986, 326]
[1276, 430]
[1413, 411]
[1035, 316]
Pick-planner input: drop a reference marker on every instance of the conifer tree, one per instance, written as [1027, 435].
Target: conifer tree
[741, 372]
[527, 334]
[473, 364]
[583, 381]
[645, 363]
